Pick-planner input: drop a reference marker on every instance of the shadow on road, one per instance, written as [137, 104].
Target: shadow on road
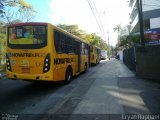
[139, 96]
[26, 93]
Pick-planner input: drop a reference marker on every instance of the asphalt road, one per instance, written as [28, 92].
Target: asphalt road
[104, 91]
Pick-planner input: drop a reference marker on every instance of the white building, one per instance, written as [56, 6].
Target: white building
[151, 14]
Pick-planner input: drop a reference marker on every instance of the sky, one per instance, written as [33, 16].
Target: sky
[111, 13]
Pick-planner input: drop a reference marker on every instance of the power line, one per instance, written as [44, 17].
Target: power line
[95, 12]
[100, 20]
[96, 15]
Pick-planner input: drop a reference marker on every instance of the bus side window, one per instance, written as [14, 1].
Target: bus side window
[71, 46]
[77, 47]
[57, 41]
[65, 47]
[63, 43]
[74, 46]
[86, 49]
[82, 48]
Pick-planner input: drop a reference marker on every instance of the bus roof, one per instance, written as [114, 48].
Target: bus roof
[70, 34]
[28, 23]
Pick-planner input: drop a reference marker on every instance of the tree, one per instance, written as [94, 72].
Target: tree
[103, 45]
[118, 28]
[2, 43]
[128, 41]
[2, 7]
[91, 39]
[11, 10]
[73, 29]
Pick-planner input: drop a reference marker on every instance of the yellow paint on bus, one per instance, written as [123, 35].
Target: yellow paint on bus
[94, 55]
[55, 55]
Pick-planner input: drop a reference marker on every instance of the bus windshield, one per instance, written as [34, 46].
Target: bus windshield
[27, 36]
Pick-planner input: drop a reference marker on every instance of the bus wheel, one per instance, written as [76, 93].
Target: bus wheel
[85, 69]
[68, 75]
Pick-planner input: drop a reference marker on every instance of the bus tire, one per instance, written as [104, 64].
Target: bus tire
[96, 62]
[68, 75]
[85, 67]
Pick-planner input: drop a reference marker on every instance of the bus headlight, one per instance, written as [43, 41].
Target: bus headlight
[8, 63]
[46, 66]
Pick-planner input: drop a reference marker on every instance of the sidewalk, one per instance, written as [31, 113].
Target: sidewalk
[116, 90]
[103, 97]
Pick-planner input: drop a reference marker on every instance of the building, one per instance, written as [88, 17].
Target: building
[151, 15]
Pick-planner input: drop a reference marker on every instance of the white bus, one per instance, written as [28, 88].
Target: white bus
[103, 54]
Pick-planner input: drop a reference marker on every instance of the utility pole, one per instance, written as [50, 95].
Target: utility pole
[140, 16]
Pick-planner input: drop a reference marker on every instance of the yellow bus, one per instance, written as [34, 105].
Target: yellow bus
[41, 51]
[95, 55]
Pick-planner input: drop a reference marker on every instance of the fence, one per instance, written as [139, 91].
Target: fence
[148, 62]
[145, 61]
[129, 58]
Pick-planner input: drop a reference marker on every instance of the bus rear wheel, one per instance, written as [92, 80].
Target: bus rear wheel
[68, 75]
[85, 69]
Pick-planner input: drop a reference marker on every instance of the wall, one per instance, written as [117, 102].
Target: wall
[155, 23]
[120, 55]
[150, 5]
[148, 62]
[129, 58]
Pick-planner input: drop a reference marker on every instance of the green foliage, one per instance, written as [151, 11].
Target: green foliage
[2, 7]
[124, 40]
[73, 29]
[103, 45]
[21, 4]
[91, 39]
[128, 41]
[11, 10]
[118, 28]
[2, 48]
